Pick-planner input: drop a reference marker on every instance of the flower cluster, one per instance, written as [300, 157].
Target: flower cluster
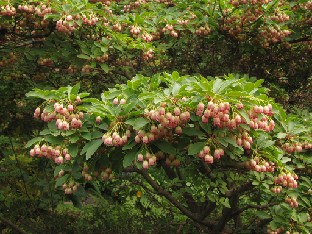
[58, 154]
[260, 165]
[65, 116]
[206, 154]
[287, 180]
[147, 159]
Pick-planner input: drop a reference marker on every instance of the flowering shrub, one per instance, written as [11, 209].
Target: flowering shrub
[216, 144]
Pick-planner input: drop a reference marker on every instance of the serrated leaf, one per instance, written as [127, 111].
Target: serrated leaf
[33, 141]
[306, 201]
[52, 126]
[96, 135]
[190, 131]
[217, 85]
[230, 141]
[45, 132]
[129, 158]
[58, 169]
[281, 135]
[74, 138]
[165, 147]
[245, 115]
[175, 88]
[129, 145]
[73, 150]
[196, 148]
[83, 56]
[75, 89]
[263, 215]
[104, 67]
[55, 140]
[83, 95]
[93, 147]
[137, 123]
[103, 126]
[285, 159]
[129, 106]
[265, 144]
[223, 142]
[86, 135]
[302, 217]
[175, 75]
[61, 180]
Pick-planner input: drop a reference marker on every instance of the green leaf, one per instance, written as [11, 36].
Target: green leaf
[303, 217]
[55, 140]
[245, 115]
[73, 150]
[129, 145]
[217, 85]
[190, 131]
[165, 147]
[281, 135]
[58, 169]
[91, 147]
[285, 159]
[265, 144]
[86, 135]
[96, 135]
[127, 108]
[33, 141]
[75, 89]
[206, 127]
[196, 148]
[263, 215]
[175, 89]
[45, 132]
[61, 180]
[175, 75]
[306, 201]
[129, 158]
[220, 85]
[223, 142]
[52, 126]
[230, 141]
[104, 67]
[225, 202]
[137, 123]
[73, 139]
[83, 56]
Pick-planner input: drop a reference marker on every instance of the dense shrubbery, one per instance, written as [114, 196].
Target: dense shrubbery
[222, 153]
[215, 141]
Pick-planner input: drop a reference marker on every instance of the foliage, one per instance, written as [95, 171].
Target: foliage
[113, 40]
[225, 171]
[204, 144]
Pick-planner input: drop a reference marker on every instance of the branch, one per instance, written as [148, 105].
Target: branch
[191, 203]
[208, 210]
[12, 225]
[233, 164]
[169, 197]
[258, 207]
[243, 188]
[123, 73]
[19, 167]
[304, 39]
[227, 213]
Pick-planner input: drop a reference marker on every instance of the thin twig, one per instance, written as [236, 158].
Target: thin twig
[12, 225]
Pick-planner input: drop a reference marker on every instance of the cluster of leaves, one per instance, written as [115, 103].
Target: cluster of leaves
[213, 188]
[100, 43]
[124, 37]
[147, 37]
